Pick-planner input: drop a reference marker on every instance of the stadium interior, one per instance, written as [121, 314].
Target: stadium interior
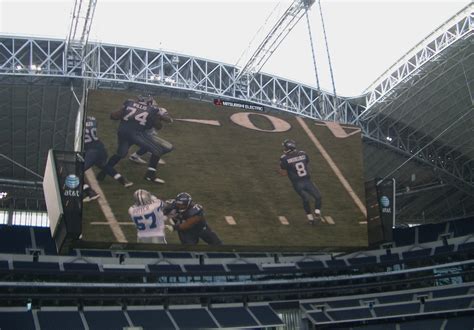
[414, 126]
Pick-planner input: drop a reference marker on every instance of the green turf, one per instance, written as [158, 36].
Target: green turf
[232, 170]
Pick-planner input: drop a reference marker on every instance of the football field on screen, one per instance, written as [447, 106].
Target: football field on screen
[232, 171]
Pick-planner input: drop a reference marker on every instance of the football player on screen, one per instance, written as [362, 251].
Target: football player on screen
[188, 220]
[294, 163]
[147, 213]
[137, 117]
[96, 154]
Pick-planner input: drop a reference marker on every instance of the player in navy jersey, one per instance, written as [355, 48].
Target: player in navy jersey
[189, 221]
[137, 118]
[96, 154]
[294, 163]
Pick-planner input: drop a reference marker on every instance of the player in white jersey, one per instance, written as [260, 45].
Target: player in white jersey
[147, 213]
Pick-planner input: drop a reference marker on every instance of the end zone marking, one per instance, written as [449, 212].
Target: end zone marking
[283, 220]
[105, 207]
[333, 166]
[230, 220]
[329, 220]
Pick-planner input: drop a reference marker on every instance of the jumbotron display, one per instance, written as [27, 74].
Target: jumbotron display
[226, 175]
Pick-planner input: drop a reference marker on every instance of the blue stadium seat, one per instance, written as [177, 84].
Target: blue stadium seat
[266, 316]
[51, 320]
[404, 236]
[36, 266]
[150, 319]
[398, 309]
[192, 318]
[416, 254]
[311, 265]
[96, 253]
[395, 298]
[462, 227]
[457, 291]
[350, 314]
[430, 232]
[165, 269]
[4, 265]
[460, 322]
[384, 326]
[336, 264]
[466, 246]
[80, 267]
[45, 241]
[205, 269]
[360, 261]
[105, 320]
[243, 268]
[16, 320]
[14, 239]
[447, 304]
[445, 249]
[143, 254]
[220, 255]
[252, 255]
[177, 255]
[344, 303]
[275, 268]
[233, 317]
[319, 317]
[390, 259]
[431, 324]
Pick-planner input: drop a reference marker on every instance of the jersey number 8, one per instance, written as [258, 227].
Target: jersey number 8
[300, 169]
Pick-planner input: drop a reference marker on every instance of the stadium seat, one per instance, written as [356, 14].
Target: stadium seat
[176, 255]
[150, 319]
[361, 261]
[190, 318]
[96, 253]
[35, 266]
[430, 232]
[205, 269]
[390, 259]
[443, 250]
[387, 299]
[336, 264]
[460, 322]
[13, 319]
[233, 317]
[105, 319]
[447, 304]
[431, 324]
[14, 239]
[143, 254]
[319, 317]
[80, 267]
[311, 265]
[416, 254]
[266, 316]
[49, 320]
[45, 241]
[456, 291]
[397, 309]
[165, 269]
[220, 255]
[243, 268]
[350, 313]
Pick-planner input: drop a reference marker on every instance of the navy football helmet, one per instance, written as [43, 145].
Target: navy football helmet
[183, 201]
[289, 145]
[148, 99]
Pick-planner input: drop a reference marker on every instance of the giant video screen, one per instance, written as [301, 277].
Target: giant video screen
[175, 173]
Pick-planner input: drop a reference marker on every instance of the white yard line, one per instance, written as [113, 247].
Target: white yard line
[329, 220]
[230, 220]
[105, 207]
[283, 220]
[334, 167]
[106, 223]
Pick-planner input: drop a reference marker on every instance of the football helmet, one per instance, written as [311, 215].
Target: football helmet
[289, 145]
[183, 202]
[143, 197]
[148, 99]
